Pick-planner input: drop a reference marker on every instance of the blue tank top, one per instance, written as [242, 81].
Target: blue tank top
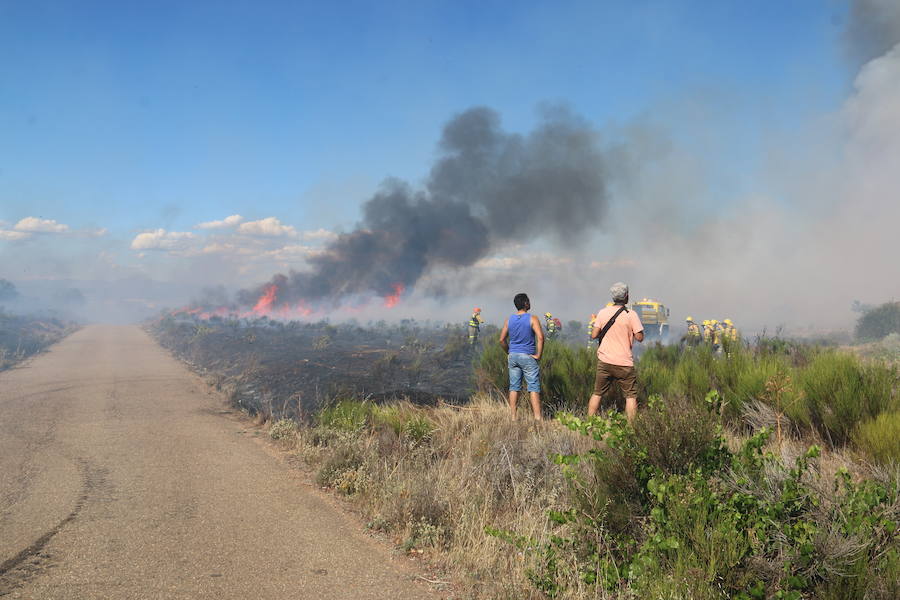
[521, 335]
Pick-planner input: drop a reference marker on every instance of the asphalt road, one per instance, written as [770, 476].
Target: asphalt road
[120, 477]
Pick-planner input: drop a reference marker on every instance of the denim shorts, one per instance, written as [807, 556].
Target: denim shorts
[523, 365]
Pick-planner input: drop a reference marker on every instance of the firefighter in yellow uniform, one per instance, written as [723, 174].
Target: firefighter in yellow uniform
[693, 332]
[731, 332]
[590, 329]
[474, 325]
[551, 325]
[718, 333]
[707, 331]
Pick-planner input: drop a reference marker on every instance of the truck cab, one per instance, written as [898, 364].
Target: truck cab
[655, 317]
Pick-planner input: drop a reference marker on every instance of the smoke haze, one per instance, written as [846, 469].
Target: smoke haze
[784, 220]
[873, 29]
[487, 187]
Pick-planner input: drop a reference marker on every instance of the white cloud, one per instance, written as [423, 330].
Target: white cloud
[269, 227]
[36, 225]
[162, 240]
[530, 260]
[292, 253]
[228, 248]
[231, 221]
[13, 235]
[318, 235]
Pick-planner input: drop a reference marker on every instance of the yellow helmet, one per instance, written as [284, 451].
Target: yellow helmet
[689, 319]
[714, 322]
[706, 321]
[547, 315]
[728, 322]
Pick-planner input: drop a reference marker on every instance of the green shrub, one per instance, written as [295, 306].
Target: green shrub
[655, 374]
[749, 382]
[345, 415]
[342, 470]
[879, 322]
[567, 373]
[676, 434]
[491, 373]
[880, 437]
[715, 523]
[840, 392]
[692, 379]
[406, 421]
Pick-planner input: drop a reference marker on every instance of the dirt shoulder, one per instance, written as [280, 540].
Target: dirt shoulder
[120, 478]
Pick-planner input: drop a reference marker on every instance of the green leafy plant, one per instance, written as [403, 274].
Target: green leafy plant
[710, 522]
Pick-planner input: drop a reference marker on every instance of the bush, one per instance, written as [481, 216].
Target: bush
[714, 524]
[677, 433]
[656, 375]
[406, 421]
[345, 415]
[879, 322]
[806, 388]
[343, 470]
[567, 373]
[491, 374]
[840, 392]
[283, 429]
[880, 437]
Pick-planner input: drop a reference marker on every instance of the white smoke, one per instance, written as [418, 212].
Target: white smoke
[821, 233]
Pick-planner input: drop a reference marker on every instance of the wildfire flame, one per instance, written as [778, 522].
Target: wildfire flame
[268, 305]
[391, 300]
[263, 306]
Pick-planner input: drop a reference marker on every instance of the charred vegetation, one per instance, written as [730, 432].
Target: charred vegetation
[290, 369]
[23, 336]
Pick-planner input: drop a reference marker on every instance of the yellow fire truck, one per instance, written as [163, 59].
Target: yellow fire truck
[655, 317]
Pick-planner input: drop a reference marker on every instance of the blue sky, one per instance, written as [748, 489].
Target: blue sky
[141, 115]
[122, 123]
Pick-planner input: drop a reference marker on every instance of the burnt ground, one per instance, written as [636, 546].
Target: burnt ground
[22, 336]
[289, 369]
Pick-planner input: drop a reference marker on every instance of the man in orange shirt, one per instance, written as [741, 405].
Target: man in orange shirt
[617, 327]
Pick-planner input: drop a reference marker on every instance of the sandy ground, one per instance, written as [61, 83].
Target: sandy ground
[121, 476]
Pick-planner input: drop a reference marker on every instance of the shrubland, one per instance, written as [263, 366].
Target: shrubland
[762, 472]
[878, 322]
[675, 506]
[797, 390]
[765, 471]
[22, 336]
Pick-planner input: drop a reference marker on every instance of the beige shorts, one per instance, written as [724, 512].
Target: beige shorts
[607, 374]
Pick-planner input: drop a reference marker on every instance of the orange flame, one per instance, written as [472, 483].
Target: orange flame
[391, 300]
[263, 306]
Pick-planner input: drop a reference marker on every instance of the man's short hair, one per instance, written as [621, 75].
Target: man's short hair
[521, 301]
[619, 292]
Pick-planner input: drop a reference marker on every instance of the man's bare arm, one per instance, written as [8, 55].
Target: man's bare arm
[504, 333]
[538, 336]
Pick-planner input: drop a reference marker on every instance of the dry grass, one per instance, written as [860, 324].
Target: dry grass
[435, 479]
[436, 494]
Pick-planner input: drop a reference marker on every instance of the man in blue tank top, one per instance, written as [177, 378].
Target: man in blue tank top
[523, 340]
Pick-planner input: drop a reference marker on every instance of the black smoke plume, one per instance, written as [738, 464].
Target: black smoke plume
[486, 187]
[873, 28]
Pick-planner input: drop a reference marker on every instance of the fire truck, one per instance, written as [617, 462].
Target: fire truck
[655, 317]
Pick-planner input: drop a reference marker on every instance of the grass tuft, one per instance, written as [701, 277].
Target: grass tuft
[879, 438]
